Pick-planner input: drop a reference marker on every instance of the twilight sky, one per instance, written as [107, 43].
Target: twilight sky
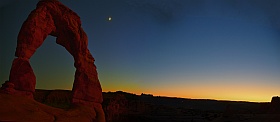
[218, 49]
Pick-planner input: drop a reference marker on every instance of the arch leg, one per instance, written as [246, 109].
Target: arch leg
[22, 79]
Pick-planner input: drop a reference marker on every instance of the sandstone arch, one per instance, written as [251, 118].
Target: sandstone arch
[53, 18]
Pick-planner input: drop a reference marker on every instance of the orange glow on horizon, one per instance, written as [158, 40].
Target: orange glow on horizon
[233, 88]
[235, 97]
[232, 92]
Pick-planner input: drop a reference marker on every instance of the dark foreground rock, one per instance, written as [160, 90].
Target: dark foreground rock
[274, 105]
[21, 109]
[55, 106]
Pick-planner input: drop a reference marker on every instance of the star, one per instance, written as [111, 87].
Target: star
[109, 18]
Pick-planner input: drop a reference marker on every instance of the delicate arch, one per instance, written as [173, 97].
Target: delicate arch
[53, 18]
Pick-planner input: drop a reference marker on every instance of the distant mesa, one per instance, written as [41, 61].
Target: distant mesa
[275, 100]
[146, 95]
[275, 105]
[53, 18]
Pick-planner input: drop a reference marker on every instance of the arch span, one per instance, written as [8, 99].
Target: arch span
[53, 18]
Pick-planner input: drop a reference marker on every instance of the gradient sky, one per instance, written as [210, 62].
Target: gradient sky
[218, 49]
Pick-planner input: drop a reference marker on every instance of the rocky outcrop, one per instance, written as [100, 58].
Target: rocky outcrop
[21, 109]
[22, 79]
[53, 18]
[275, 105]
[54, 98]
[275, 101]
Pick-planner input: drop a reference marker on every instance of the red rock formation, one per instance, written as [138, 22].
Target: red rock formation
[22, 79]
[53, 18]
[21, 109]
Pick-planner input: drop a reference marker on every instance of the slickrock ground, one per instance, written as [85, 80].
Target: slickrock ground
[22, 109]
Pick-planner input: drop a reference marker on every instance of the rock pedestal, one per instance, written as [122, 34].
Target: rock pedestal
[53, 18]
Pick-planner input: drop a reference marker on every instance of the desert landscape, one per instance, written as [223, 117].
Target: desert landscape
[55, 106]
[227, 52]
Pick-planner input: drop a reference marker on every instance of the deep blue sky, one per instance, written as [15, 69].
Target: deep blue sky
[218, 49]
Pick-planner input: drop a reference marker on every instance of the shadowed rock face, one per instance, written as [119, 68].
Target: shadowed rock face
[21, 109]
[275, 105]
[53, 18]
